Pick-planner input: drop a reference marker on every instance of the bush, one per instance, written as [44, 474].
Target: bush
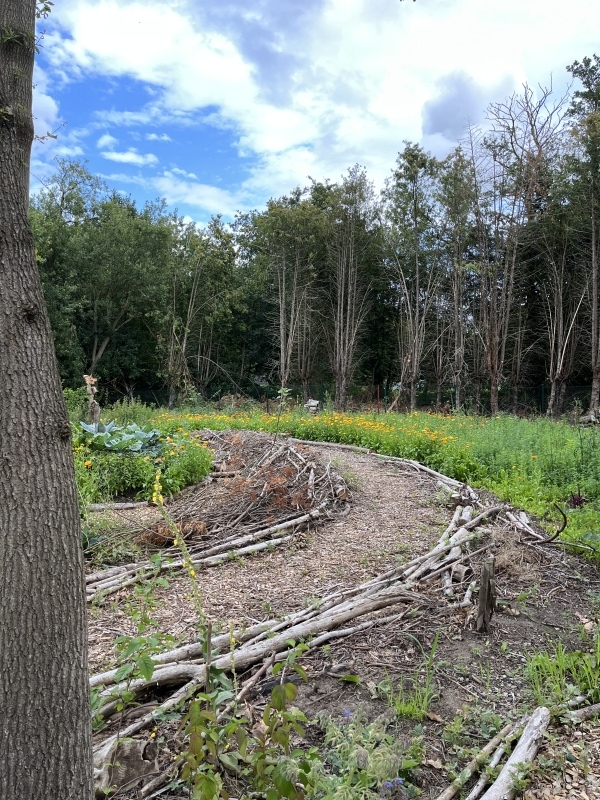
[127, 412]
[76, 400]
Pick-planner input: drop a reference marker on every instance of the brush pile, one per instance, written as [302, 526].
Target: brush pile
[263, 498]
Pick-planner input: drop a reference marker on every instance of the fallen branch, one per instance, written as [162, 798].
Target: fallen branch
[475, 764]
[523, 754]
[583, 714]
[115, 506]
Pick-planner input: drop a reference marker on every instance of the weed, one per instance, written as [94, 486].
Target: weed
[558, 675]
[413, 702]
[365, 760]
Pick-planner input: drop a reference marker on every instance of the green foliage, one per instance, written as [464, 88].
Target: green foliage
[530, 463]
[413, 702]
[557, 675]
[365, 760]
[123, 461]
[134, 653]
[127, 412]
[76, 401]
[221, 743]
[131, 438]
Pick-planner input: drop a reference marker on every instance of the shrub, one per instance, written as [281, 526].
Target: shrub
[76, 400]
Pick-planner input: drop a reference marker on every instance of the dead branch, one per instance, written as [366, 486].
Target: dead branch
[475, 764]
[523, 754]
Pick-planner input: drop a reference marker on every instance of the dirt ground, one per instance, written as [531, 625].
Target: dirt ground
[394, 514]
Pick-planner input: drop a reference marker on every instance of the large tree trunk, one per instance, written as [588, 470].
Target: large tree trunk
[45, 736]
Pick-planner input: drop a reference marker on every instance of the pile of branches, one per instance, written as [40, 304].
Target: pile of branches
[262, 493]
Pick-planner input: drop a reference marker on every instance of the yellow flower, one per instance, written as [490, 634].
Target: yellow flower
[534, 456]
[87, 464]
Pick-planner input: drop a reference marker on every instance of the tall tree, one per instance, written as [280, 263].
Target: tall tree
[585, 110]
[287, 239]
[414, 236]
[456, 196]
[350, 241]
[203, 295]
[498, 220]
[45, 737]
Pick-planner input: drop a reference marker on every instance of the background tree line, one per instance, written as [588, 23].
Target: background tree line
[476, 275]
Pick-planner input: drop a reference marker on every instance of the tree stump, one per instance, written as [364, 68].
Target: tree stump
[487, 596]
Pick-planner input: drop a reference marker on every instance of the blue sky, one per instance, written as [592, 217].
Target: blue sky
[218, 106]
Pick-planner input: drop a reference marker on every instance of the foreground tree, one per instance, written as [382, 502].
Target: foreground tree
[45, 738]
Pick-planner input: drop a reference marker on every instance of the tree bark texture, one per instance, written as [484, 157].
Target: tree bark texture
[45, 736]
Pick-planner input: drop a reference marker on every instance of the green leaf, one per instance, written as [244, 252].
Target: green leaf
[350, 678]
[133, 646]
[291, 691]
[279, 696]
[222, 697]
[300, 671]
[229, 760]
[284, 785]
[281, 737]
[145, 666]
[123, 672]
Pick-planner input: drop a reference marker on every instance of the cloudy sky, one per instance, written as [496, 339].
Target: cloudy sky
[217, 105]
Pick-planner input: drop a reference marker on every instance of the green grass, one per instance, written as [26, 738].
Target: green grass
[532, 464]
[412, 697]
[558, 675]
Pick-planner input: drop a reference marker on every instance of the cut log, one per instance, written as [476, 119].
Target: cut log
[475, 764]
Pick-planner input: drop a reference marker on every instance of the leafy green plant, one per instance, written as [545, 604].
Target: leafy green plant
[110, 436]
[104, 471]
[134, 653]
[413, 702]
[220, 745]
[126, 412]
[365, 760]
[76, 401]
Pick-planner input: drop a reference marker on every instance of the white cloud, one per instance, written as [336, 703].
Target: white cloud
[106, 140]
[182, 172]
[131, 156]
[209, 199]
[357, 77]
[45, 108]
